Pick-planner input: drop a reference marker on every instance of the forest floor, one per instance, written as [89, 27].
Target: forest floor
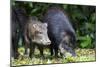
[83, 55]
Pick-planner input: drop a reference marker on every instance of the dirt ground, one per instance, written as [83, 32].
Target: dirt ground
[83, 55]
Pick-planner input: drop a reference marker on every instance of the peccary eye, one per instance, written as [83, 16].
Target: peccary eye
[38, 32]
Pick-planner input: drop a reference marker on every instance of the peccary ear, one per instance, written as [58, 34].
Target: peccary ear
[63, 34]
[34, 25]
[46, 24]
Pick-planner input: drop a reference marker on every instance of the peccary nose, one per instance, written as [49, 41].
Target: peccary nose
[49, 42]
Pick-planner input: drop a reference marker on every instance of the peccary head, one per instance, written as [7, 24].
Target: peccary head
[38, 32]
[67, 43]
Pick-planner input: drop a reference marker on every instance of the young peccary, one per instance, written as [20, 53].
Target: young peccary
[35, 35]
[60, 31]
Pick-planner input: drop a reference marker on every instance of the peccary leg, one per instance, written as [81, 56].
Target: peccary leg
[56, 51]
[27, 45]
[41, 50]
[51, 49]
[31, 50]
[15, 47]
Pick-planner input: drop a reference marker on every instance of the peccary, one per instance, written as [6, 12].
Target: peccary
[35, 35]
[60, 31]
[18, 20]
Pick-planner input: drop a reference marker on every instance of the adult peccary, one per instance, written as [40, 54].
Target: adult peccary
[60, 31]
[18, 21]
[35, 34]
